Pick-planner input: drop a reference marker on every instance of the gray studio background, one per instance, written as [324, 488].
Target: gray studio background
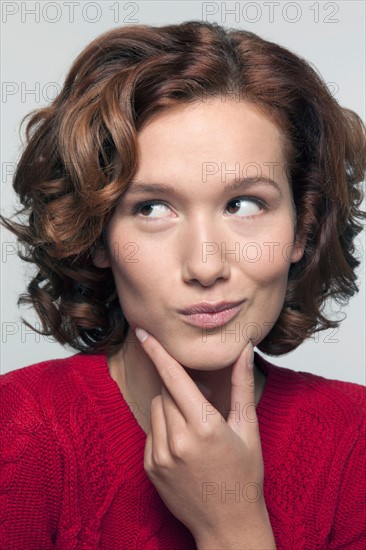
[39, 42]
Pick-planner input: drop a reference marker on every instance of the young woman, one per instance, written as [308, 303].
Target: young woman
[190, 194]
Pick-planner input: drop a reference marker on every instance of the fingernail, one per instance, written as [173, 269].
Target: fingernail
[141, 334]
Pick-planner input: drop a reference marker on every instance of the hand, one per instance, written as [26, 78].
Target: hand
[209, 472]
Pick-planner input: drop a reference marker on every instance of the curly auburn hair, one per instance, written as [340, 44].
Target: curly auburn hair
[81, 153]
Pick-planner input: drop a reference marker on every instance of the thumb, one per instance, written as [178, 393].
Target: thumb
[242, 417]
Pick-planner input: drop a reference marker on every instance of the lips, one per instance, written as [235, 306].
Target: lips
[206, 315]
[206, 307]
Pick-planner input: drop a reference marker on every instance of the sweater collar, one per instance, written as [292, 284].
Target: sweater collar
[121, 426]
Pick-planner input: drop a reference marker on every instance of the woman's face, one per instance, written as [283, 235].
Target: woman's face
[200, 241]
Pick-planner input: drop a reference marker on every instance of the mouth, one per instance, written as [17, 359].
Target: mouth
[211, 315]
[206, 307]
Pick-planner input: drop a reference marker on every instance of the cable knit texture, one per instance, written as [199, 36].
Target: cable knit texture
[72, 475]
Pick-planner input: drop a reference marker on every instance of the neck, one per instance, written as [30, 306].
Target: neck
[140, 382]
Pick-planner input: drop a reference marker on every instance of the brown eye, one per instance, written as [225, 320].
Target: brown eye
[151, 207]
[244, 206]
[146, 208]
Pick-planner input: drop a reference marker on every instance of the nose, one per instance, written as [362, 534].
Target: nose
[202, 258]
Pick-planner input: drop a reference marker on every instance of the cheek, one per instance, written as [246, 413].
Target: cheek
[267, 279]
[135, 290]
[138, 270]
[135, 273]
[267, 261]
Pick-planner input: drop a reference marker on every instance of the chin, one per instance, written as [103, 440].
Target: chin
[207, 356]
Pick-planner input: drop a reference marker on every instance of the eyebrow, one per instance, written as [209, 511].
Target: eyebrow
[163, 189]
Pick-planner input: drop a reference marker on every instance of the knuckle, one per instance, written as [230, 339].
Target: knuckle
[148, 467]
[178, 446]
[161, 460]
[251, 383]
[205, 431]
[151, 475]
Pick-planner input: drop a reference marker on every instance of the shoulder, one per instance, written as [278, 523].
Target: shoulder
[303, 384]
[49, 440]
[337, 406]
[37, 373]
[344, 399]
[34, 389]
[50, 406]
[318, 406]
[315, 428]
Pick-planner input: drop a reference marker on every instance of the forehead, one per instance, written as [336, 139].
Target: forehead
[215, 131]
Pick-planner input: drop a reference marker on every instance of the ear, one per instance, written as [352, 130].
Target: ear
[298, 249]
[101, 256]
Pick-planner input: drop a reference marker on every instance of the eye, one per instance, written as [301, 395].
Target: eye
[245, 206]
[145, 208]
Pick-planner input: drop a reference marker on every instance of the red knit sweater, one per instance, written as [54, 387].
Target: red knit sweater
[73, 475]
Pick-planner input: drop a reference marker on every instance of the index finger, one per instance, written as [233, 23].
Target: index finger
[182, 388]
